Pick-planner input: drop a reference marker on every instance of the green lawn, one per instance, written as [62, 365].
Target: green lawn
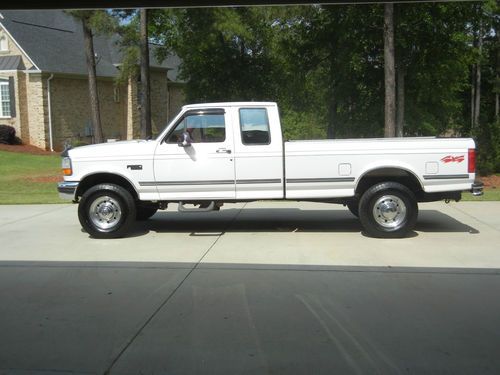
[29, 179]
[489, 195]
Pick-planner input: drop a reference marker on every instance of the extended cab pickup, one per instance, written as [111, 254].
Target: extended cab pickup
[211, 154]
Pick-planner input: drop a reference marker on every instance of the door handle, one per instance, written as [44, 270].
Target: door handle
[223, 151]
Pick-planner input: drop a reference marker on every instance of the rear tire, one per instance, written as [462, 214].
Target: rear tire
[106, 211]
[388, 210]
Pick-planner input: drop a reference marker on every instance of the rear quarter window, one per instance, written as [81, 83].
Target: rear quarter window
[254, 126]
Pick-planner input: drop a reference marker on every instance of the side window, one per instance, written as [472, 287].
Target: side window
[176, 135]
[5, 100]
[4, 46]
[254, 126]
[202, 128]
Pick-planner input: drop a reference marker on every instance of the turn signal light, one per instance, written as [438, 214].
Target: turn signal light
[471, 161]
[66, 166]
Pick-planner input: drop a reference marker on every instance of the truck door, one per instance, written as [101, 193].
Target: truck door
[258, 152]
[202, 168]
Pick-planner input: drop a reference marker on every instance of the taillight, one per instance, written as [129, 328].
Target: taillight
[472, 161]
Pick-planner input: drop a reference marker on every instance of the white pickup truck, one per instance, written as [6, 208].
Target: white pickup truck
[212, 154]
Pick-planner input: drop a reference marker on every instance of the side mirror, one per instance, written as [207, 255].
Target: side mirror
[185, 140]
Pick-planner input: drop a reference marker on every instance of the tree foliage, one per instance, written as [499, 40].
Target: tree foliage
[223, 51]
[128, 43]
[324, 65]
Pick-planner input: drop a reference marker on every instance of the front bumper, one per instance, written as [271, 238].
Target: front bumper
[477, 188]
[67, 190]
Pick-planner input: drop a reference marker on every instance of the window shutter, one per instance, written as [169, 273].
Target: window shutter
[12, 95]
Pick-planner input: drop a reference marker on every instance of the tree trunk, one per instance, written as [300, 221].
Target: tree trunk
[330, 134]
[472, 95]
[389, 72]
[94, 97]
[497, 102]
[477, 104]
[497, 80]
[146, 129]
[400, 114]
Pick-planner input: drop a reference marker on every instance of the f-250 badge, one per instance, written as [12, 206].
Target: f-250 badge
[453, 159]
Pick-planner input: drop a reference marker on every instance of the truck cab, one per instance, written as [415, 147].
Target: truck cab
[214, 151]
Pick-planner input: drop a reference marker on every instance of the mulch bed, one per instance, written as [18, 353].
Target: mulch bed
[57, 178]
[26, 149]
[491, 182]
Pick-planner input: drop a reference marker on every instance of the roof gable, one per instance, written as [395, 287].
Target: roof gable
[54, 41]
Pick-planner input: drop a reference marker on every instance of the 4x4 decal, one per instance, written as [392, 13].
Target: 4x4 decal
[453, 159]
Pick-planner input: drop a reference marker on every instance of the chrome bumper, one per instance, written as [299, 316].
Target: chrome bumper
[477, 188]
[67, 190]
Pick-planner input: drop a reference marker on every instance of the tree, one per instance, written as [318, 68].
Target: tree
[135, 43]
[476, 109]
[93, 21]
[400, 82]
[146, 130]
[324, 64]
[400, 100]
[389, 72]
[229, 60]
[485, 127]
[496, 85]
[433, 55]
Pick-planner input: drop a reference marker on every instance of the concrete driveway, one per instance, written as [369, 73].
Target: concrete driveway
[280, 287]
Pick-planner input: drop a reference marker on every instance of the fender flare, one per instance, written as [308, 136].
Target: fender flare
[399, 166]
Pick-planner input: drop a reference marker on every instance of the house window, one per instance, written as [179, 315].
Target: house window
[4, 99]
[3, 43]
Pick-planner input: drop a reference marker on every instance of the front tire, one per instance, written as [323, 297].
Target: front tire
[106, 211]
[388, 210]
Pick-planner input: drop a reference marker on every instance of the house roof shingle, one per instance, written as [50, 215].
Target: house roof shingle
[54, 42]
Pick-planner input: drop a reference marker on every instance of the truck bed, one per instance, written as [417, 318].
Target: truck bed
[332, 168]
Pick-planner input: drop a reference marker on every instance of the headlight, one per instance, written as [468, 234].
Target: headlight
[66, 166]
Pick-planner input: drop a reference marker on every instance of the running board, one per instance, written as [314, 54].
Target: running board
[209, 208]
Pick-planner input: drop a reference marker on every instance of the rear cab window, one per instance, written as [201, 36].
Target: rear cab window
[254, 126]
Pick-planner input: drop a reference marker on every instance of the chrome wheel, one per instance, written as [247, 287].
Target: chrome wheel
[389, 211]
[105, 212]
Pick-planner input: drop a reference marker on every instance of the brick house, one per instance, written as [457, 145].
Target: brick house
[44, 82]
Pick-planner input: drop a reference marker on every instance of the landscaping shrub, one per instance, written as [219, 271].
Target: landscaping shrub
[8, 135]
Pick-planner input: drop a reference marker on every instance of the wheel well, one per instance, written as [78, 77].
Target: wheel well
[102, 178]
[399, 175]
